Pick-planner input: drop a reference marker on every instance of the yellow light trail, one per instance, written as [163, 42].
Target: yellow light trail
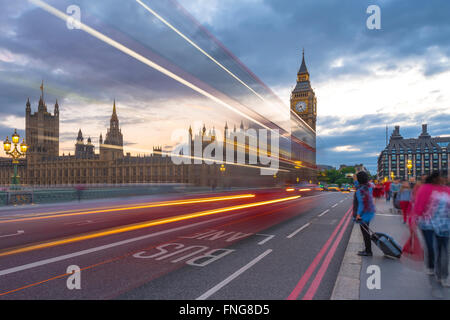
[74, 212]
[138, 226]
[61, 15]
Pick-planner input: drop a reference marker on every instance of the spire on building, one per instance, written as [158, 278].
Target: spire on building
[42, 89]
[42, 106]
[242, 125]
[303, 68]
[101, 138]
[28, 109]
[114, 113]
[56, 111]
[80, 137]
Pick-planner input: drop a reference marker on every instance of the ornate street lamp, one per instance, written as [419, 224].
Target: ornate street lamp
[222, 171]
[409, 166]
[16, 152]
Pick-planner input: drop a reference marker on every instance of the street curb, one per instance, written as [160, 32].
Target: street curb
[347, 283]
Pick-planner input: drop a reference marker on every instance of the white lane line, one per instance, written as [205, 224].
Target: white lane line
[108, 246]
[298, 230]
[268, 237]
[14, 234]
[104, 247]
[324, 212]
[222, 284]
[388, 215]
[334, 205]
[341, 201]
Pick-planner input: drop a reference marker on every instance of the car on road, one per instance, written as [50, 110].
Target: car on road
[304, 188]
[333, 187]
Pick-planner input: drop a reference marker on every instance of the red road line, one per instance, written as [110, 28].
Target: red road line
[177, 239]
[305, 278]
[309, 295]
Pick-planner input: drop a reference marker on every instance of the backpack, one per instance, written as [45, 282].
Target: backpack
[439, 213]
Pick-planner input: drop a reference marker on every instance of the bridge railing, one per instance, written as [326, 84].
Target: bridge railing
[29, 195]
[65, 194]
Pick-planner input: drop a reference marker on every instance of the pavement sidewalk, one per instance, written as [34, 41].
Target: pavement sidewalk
[401, 279]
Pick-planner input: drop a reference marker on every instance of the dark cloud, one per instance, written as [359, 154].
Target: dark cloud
[267, 35]
[368, 133]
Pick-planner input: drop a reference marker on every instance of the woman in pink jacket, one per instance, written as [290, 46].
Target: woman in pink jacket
[431, 210]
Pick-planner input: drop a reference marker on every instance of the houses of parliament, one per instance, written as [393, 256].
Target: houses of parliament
[44, 166]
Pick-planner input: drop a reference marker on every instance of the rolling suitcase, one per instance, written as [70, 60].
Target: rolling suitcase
[385, 242]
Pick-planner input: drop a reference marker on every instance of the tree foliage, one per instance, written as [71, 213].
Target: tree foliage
[334, 176]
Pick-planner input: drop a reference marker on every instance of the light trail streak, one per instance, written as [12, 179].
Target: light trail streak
[224, 162]
[69, 213]
[153, 12]
[138, 226]
[59, 14]
[198, 48]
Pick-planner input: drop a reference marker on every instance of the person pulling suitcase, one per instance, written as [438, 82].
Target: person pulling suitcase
[365, 210]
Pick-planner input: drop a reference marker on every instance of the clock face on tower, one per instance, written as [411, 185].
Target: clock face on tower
[300, 106]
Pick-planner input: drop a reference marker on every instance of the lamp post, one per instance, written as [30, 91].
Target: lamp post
[13, 149]
[222, 170]
[409, 166]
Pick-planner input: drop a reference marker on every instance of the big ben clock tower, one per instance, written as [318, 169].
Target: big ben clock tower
[303, 98]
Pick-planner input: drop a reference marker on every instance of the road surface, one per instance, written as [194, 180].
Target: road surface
[252, 244]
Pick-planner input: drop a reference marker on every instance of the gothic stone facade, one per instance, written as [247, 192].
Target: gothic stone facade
[45, 167]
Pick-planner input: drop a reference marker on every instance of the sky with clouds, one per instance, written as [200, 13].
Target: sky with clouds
[364, 79]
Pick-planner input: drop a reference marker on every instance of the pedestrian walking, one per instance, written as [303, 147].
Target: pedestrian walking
[365, 210]
[395, 187]
[432, 210]
[387, 190]
[404, 197]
